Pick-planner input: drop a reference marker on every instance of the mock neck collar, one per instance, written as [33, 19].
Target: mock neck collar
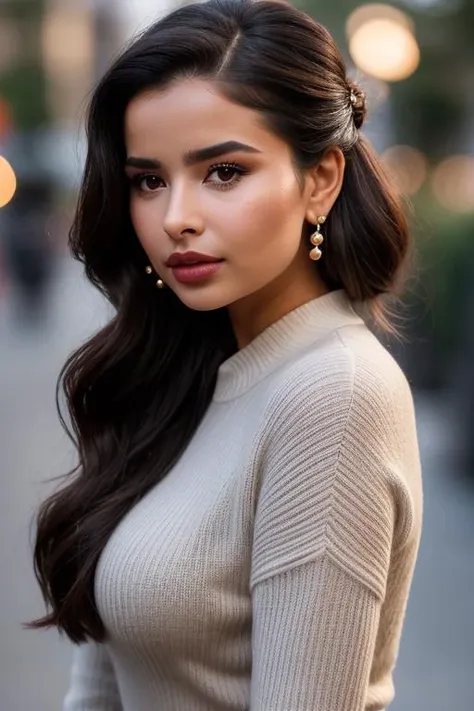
[283, 340]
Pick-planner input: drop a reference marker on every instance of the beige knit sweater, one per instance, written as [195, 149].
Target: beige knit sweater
[270, 569]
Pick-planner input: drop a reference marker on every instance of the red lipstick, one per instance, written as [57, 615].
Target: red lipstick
[179, 258]
[190, 267]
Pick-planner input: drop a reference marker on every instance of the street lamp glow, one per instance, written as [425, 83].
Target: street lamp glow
[453, 183]
[67, 41]
[7, 182]
[376, 11]
[385, 49]
[407, 167]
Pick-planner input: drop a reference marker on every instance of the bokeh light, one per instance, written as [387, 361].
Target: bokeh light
[382, 42]
[376, 11]
[67, 44]
[7, 182]
[407, 166]
[453, 183]
[66, 41]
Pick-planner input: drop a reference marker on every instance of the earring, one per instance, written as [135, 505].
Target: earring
[160, 283]
[317, 239]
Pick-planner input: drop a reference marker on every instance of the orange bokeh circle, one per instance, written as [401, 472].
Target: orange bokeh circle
[7, 182]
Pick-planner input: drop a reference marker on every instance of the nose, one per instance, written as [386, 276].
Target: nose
[183, 216]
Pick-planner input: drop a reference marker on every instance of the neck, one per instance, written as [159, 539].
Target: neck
[281, 341]
[252, 314]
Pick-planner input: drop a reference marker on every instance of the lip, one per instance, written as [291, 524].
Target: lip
[178, 259]
[190, 273]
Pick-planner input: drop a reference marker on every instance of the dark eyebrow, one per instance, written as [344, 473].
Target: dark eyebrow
[217, 150]
[193, 157]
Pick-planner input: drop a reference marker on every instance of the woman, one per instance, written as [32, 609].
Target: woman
[242, 527]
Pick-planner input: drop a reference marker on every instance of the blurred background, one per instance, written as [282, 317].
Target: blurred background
[415, 61]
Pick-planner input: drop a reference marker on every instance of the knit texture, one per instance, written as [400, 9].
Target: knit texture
[270, 569]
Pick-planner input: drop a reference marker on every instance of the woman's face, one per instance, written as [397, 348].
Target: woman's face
[243, 205]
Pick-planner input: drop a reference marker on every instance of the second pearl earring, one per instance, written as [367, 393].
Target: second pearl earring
[160, 283]
[317, 239]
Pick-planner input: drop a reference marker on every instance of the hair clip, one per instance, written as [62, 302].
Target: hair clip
[353, 99]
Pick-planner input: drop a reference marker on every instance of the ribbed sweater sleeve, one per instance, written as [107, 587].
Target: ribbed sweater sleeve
[313, 640]
[93, 686]
[333, 509]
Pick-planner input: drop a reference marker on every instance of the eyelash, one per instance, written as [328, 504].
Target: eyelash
[137, 180]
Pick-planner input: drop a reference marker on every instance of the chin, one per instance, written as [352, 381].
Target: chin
[203, 299]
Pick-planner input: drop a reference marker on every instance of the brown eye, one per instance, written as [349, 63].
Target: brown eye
[146, 182]
[149, 182]
[225, 174]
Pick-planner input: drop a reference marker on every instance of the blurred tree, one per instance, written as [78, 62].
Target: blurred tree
[22, 80]
[431, 109]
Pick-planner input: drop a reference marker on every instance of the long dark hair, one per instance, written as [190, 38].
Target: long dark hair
[138, 389]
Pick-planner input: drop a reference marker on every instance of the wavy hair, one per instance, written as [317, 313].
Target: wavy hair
[138, 389]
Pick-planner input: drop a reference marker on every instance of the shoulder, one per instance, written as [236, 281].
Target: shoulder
[347, 376]
[348, 394]
[341, 440]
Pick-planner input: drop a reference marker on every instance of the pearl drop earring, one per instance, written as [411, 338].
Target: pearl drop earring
[317, 239]
[160, 283]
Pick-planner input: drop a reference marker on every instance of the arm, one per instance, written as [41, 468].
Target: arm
[313, 640]
[332, 511]
[93, 686]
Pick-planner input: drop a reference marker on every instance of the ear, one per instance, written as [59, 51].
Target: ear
[325, 181]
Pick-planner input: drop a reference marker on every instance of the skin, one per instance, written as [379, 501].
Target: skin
[254, 222]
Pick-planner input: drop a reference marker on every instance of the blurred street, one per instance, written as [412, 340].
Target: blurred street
[436, 658]
[414, 61]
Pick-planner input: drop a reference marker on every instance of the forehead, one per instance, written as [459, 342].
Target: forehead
[191, 114]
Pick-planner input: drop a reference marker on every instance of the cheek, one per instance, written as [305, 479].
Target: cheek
[271, 219]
